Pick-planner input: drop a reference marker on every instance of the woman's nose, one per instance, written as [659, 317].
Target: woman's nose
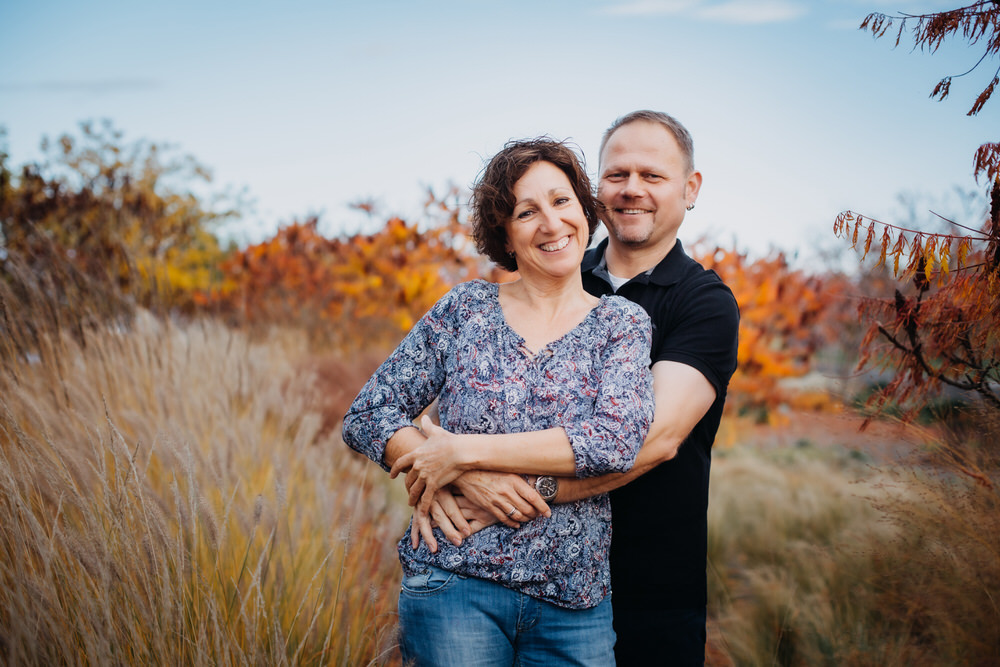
[548, 220]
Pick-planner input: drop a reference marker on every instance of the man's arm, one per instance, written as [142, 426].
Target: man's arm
[683, 395]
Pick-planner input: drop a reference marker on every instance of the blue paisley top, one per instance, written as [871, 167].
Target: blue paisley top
[594, 382]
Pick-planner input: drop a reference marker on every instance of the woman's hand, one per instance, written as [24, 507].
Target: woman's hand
[498, 493]
[431, 466]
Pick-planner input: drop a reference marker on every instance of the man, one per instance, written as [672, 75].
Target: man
[647, 182]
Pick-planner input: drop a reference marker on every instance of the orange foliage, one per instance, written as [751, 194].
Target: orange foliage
[354, 292]
[785, 317]
[102, 219]
[942, 330]
[367, 291]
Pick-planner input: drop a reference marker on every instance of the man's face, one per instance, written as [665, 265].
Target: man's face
[645, 185]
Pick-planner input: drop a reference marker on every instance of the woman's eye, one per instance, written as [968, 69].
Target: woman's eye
[561, 200]
[524, 215]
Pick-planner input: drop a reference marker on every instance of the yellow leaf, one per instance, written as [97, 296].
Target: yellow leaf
[929, 257]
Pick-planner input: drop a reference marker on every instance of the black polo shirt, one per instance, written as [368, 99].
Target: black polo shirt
[659, 521]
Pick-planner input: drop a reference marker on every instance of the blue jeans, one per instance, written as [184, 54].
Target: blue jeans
[447, 619]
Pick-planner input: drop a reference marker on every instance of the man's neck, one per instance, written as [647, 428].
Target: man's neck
[626, 261]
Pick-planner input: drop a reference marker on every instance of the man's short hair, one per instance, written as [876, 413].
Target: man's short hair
[493, 195]
[670, 123]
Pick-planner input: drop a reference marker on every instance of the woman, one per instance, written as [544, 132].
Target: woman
[513, 365]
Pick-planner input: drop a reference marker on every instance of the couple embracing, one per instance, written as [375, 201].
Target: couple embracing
[584, 395]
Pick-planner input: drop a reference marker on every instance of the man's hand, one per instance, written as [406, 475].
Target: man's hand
[458, 516]
[471, 518]
[499, 492]
[447, 515]
[477, 517]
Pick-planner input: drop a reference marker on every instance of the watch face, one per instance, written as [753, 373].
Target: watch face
[546, 487]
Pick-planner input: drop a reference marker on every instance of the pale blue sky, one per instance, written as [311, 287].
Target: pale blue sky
[795, 113]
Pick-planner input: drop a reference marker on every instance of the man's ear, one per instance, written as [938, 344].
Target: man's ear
[693, 186]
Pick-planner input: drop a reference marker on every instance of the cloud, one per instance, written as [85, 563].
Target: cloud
[726, 11]
[753, 11]
[98, 87]
[651, 7]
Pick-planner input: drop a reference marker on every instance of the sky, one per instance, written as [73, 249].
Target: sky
[310, 106]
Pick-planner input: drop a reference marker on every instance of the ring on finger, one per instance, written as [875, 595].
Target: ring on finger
[511, 512]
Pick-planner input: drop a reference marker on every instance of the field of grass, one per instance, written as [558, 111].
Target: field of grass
[179, 494]
[820, 556]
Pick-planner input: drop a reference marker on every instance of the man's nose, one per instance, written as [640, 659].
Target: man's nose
[633, 186]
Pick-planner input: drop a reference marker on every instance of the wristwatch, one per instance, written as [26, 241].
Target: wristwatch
[547, 487]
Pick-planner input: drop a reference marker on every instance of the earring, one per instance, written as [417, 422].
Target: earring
[690, 206]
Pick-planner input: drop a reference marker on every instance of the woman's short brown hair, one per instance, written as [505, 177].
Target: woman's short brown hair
[493, 195]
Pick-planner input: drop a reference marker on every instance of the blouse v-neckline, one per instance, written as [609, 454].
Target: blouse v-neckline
[548, 347]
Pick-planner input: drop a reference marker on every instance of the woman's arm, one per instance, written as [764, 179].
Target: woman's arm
[683, 396]
[379, 423]
[605, 441]
[443, 456]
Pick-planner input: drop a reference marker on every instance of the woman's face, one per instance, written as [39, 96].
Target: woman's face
[548, 231]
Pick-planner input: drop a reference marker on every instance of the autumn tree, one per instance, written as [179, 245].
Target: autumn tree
[100, 218]
[977, 23]
[940, 327]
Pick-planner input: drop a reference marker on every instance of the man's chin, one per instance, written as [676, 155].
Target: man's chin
[631, 237]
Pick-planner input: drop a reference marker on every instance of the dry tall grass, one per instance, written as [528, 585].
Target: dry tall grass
[180, 495]
[819, 560]
[174, 495]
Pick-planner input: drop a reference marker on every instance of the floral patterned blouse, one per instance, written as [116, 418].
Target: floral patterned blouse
[594, 382]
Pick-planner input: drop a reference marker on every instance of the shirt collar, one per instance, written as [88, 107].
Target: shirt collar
[667, 272]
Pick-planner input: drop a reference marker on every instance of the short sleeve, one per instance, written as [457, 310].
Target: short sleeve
[705, 331]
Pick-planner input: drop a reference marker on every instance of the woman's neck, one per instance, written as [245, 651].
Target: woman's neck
[550, 296]
[542, 313]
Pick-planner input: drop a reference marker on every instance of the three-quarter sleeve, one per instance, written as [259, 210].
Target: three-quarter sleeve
[404, 385]
[609, 440]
